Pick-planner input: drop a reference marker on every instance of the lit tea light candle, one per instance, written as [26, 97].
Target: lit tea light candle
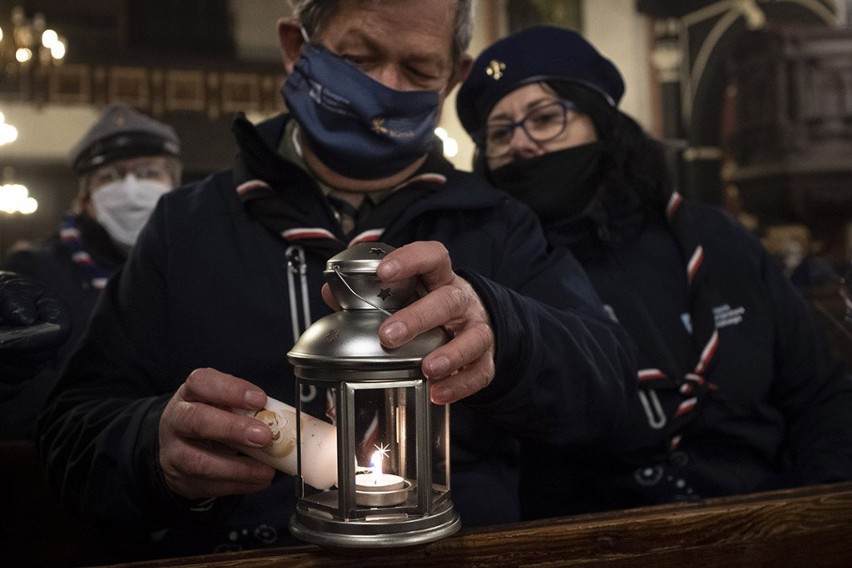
[378, 489]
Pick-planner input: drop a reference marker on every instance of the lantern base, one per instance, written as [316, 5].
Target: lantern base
[385, 531]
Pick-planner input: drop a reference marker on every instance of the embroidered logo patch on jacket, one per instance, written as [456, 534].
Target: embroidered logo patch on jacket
[724, 316]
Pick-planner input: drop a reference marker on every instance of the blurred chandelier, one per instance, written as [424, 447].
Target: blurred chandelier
[8, 133]
[29, 43]
[15, 197]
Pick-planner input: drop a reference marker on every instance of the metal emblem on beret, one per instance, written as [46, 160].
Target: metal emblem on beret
[495, 69]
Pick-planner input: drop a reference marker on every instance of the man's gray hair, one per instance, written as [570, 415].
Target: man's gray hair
[314, 13]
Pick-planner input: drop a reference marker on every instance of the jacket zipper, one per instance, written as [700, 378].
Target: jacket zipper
[297, 267]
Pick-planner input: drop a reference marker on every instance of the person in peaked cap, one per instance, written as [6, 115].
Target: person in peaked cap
[122, 132]
[124, 163]
[738, 388]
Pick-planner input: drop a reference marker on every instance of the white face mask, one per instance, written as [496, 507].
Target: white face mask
[123, 207]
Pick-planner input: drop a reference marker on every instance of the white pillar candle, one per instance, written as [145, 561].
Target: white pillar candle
[319, 444]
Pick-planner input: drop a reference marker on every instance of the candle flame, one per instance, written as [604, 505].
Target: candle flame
[376, 463]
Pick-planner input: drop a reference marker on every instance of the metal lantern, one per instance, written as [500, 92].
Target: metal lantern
[391, 486]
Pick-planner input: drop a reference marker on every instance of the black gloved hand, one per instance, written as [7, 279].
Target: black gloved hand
[34, 323]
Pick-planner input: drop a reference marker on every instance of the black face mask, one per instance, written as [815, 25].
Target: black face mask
[557, 185]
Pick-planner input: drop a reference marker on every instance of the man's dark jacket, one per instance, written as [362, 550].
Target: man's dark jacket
[207, 286]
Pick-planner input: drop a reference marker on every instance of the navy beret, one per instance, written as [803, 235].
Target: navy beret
[119, 133]
[539, 53]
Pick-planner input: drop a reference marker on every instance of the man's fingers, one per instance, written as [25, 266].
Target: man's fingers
[463, 383]
[430, 261]
[219, 389]
[201, 410]
[453, 306]
[196, 421]
[197, 472]
[465, 349]
[329, 298]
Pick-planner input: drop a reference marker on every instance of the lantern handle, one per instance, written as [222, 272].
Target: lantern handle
[336, 269]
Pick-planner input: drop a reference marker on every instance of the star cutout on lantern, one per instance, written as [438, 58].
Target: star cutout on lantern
[332, 335]
[382, 449]
[385, 293]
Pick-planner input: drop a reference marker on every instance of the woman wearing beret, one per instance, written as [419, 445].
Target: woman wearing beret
[738, 390]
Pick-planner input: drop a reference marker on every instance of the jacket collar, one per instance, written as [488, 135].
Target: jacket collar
[259, 159]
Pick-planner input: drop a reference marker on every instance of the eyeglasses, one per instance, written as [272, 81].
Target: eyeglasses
[155, 170]
[541, 124]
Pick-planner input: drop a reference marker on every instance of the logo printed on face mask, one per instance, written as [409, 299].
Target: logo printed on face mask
[379, 126]
[316, 92]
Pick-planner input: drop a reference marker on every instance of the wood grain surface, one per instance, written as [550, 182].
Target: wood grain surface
[809, 527]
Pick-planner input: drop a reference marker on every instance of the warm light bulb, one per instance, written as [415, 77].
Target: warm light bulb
[49, 38]
[23, 55]
[451, 147]
[8, 133]
[57, 50]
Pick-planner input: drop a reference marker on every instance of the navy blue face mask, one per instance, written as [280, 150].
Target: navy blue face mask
[357, 126]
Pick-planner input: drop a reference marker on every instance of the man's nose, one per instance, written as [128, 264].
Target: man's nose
[389, 76]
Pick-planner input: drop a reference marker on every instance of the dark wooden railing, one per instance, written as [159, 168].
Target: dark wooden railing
[808, 527]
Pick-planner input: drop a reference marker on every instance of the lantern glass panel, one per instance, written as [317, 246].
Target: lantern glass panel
[395, 438]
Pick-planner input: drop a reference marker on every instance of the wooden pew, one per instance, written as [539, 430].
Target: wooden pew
[805, 527]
